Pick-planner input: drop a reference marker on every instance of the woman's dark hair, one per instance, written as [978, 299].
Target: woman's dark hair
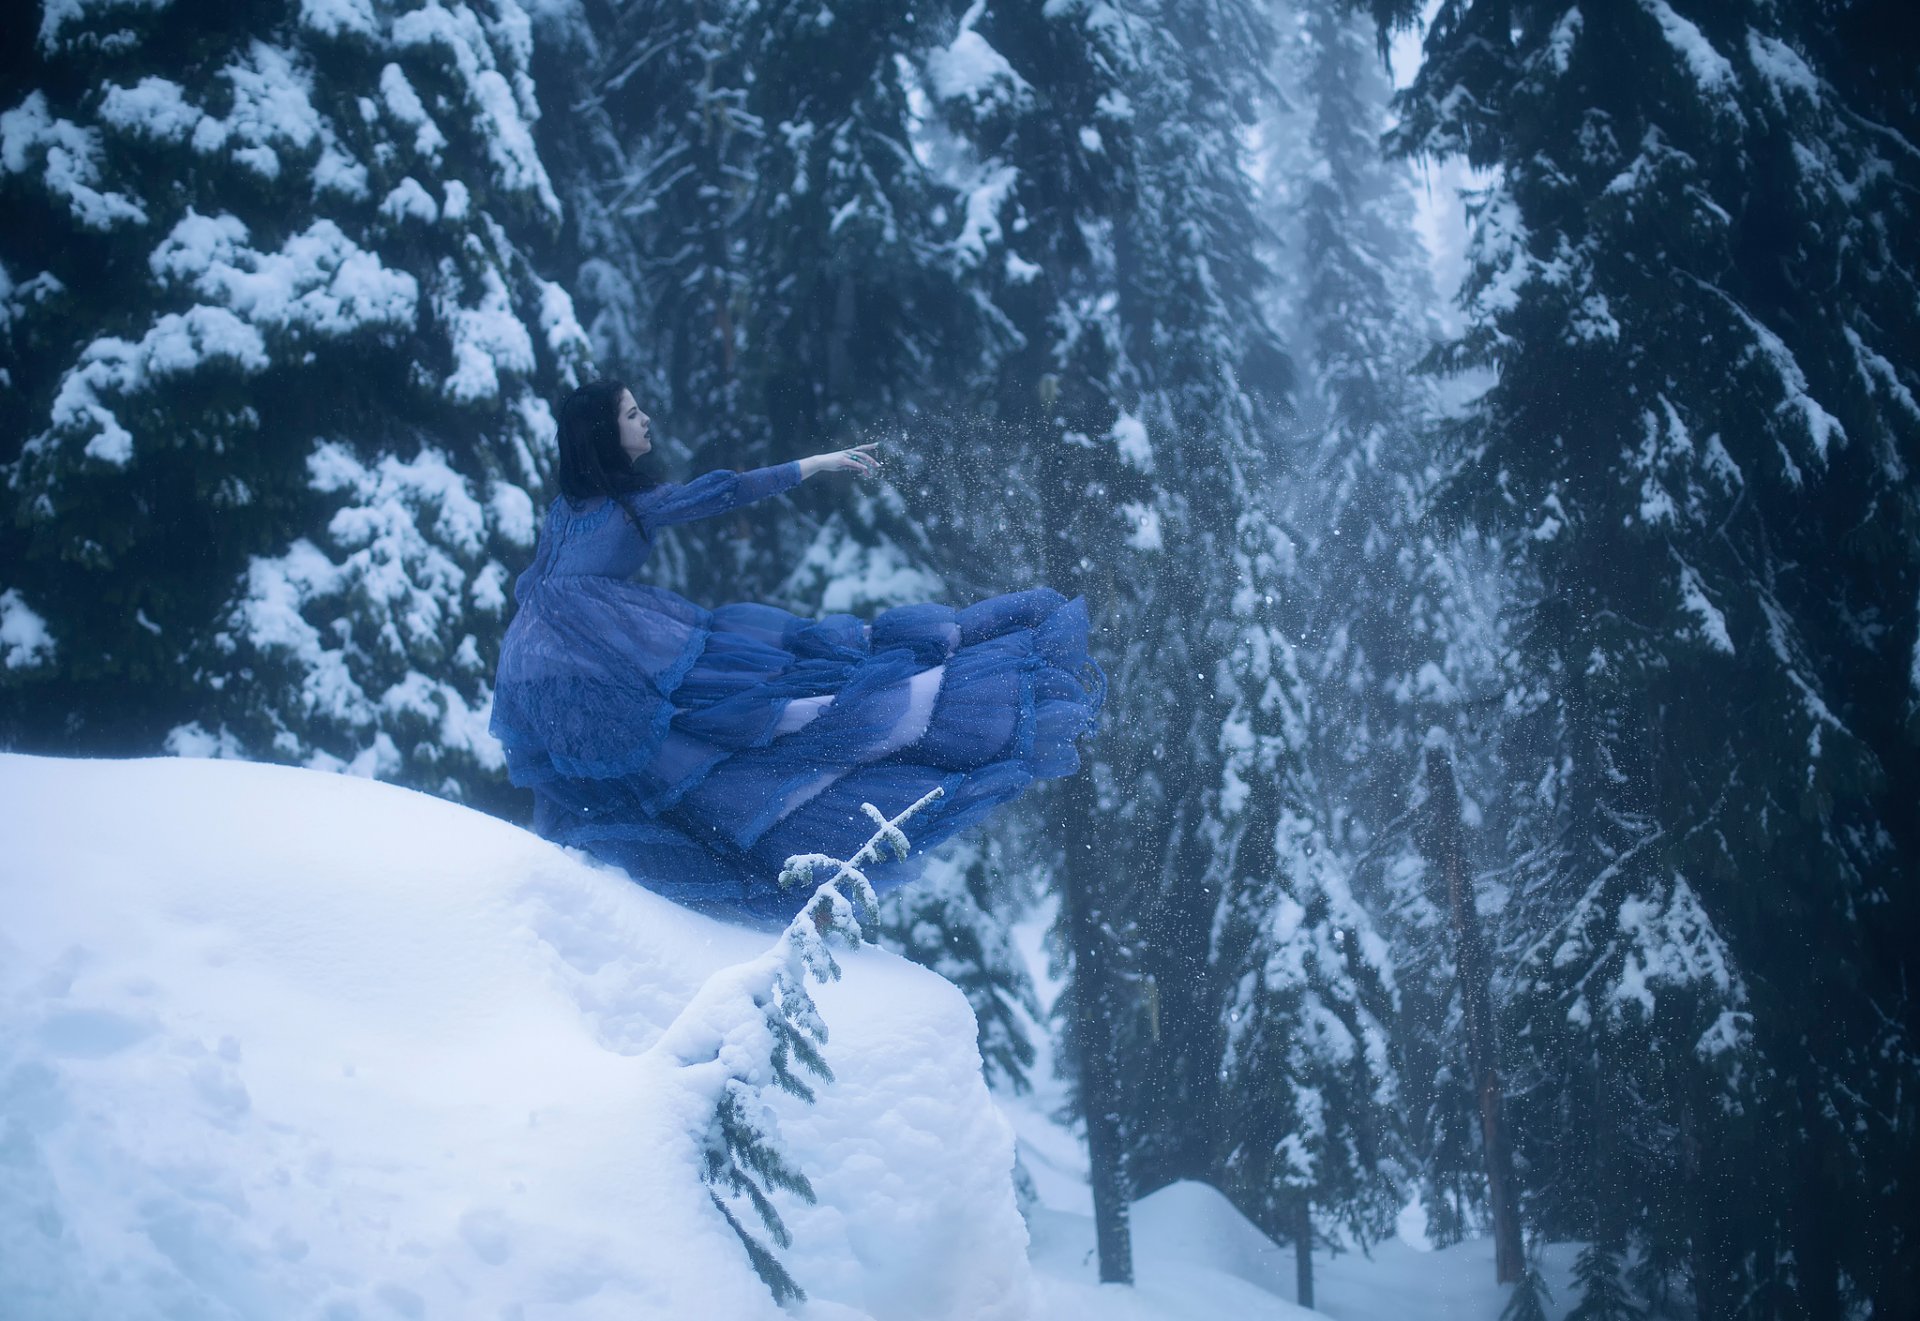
[591, 460]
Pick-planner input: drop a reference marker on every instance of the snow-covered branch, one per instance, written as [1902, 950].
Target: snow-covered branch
[750, 1023]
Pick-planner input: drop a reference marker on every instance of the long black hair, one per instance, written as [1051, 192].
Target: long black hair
[591, 460]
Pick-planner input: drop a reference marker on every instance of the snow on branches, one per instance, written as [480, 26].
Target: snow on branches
[750, 1024]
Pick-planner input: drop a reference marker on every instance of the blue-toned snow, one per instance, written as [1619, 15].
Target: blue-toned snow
[282, 1044]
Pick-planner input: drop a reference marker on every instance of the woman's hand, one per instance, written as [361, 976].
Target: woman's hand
[860, 459]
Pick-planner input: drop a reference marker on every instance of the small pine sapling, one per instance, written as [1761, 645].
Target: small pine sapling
[1530, 1296]
[1598, 1274]
[755, 1023]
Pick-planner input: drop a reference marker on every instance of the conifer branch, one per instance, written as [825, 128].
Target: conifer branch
[756, 1024]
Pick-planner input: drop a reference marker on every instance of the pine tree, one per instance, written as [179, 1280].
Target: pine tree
[1396, 607]
[1693, 271]
[664, 178]
[1441, 840]
[748, 1026]
[1213, 379]
[276, 413]
[955, 920]
[850, 291]
[1309, 1118]
[1039, 143]
[1603, 1293]
[1113, 228]
[1528, 1298]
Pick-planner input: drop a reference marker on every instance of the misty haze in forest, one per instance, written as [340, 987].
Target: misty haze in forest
[1484, 433]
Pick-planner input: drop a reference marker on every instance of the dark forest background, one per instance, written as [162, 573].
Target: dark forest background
[1508, 794]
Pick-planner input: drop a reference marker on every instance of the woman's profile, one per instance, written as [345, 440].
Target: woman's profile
[697, 749]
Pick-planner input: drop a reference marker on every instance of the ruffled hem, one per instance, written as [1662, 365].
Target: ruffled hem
[649, 728]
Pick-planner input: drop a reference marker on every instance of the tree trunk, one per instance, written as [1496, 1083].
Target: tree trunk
[1093, 1033]
[1816, 1258]
[1303, 1251]
[1713, 1255]
[1445, 847]
[1088, 872]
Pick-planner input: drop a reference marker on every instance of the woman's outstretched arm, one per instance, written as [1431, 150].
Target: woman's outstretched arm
[720, 492]
[860, 459]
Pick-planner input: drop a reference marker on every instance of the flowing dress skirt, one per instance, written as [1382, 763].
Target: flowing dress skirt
[698, 749]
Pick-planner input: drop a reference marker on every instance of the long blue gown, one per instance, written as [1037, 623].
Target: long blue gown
[698, 749]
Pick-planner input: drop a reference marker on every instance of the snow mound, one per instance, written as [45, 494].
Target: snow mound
[1194, 1224]
[1194, 1256]
[278, 1043]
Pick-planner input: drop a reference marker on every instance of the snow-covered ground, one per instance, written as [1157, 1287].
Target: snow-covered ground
[281, 1044]
[1196, 1257]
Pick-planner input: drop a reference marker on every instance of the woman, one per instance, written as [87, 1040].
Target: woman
[699, 749]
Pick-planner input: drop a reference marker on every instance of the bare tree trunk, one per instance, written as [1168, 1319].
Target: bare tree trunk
[1093, 1033]
[1445, 847]
[1303, 1251]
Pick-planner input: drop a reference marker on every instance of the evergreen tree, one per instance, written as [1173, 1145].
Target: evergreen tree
[663, 174]
[1040, 140]
[1395, 606]
[1213, 385]
[748, 1026]
[275, 417]
[1694, 271]
[955, 920]
[1309, 1119]
[1528, 1299]
[1441, 840]
[1597, 1274]
[1143, 383]
[1117, 239]
[851, 292]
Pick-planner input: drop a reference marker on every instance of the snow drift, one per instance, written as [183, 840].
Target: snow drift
[277, 1043]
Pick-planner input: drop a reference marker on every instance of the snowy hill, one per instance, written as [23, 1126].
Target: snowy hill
[1196, 1258]
[278, 1044]
[284, 1044]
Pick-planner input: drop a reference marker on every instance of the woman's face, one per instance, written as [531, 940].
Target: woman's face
[636, 428]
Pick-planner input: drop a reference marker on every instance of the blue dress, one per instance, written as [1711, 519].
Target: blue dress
[698, 749]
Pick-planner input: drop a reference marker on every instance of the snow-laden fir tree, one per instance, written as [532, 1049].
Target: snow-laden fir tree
[1024, 110]
[1599, 1275]
[1213, 386]
[754, 183]
[955, 920]
[1309, 1117]
[277, 363]
[655, 163]
[1528, 1298]
[1392, 607]
[850, 253]
[1112, 226]
[1694, 271]
[1477, 1048]
[600, 252]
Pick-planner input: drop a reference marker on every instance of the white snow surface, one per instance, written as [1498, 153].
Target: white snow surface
[282, 1044]
[969, 68]
[276, 1043]
[1196, 1258]
[1711, 71]
[24, 639]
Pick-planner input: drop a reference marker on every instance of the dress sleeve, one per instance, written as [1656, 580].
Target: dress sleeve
[716, 493]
